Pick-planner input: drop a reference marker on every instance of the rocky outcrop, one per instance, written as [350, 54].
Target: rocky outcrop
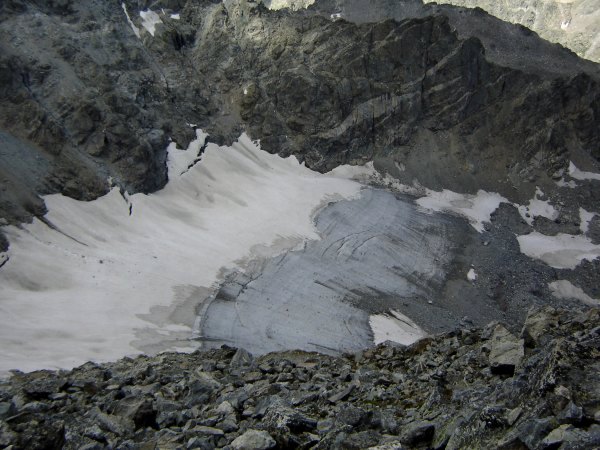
[84, 101]
[458, 98]
[441, 392]
[572, 23]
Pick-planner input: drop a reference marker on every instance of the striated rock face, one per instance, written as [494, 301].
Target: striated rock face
[83, 100]
[441, 392]
[458, 98]
[572, 23]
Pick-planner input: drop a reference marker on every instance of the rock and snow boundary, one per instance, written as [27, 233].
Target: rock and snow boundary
[88, 281]
[562, 251]
[76, 287]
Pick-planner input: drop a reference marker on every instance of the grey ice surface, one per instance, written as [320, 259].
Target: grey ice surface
[375, 252]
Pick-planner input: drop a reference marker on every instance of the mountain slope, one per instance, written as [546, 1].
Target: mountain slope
[572, 23]
[90, 100]
[477, 388]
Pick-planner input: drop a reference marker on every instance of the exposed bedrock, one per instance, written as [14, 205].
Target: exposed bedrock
[572, 23]
[489, 106]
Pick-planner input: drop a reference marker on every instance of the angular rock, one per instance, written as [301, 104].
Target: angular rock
[362, 439]
[351, 415]
[118, 425]
[198, 442]
[342, 394]
[417, 433]
[43, 386]
[513, 415]
[537, 324]
[253, 440]
[241, 358]
[556, 437]
[280, 417]
[6, 410]
[506, 351]
[533, 431]
[7, 436]
[209, 431]
[570, 414]
[225, 409]
[140, 410]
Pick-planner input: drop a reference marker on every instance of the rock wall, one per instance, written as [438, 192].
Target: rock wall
[475, 388]
[574, 24]
[460, 99]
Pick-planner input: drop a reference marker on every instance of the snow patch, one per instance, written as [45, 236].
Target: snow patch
[476, 208]
[396, 327]
[96, 283]
[149, 20]
[570, 184]
[584, 220]
[366, 173]
[135, 29]
[574, 172]
[563, 251]
[471, 275]
[564, 289]
[179, 161]
[294, 5]
[537, 207]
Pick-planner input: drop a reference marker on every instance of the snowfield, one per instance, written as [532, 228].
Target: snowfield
[93, 281]
[129, 274]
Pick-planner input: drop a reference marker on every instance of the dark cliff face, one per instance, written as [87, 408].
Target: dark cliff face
[85, 99]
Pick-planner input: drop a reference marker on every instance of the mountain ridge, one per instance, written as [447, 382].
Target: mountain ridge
[196, 68]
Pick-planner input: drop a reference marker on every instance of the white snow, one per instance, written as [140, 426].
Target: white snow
[96, 281]
[175, 16]
[367, 174]
[563, 251]
[564, 289]
[574, 172]
[585, 218]
[180, 160]
[537, 208]
[294, 5]
[471, 275]
[364, 173]
[135, 29]
[570, 184]
[476, 208]
[149, 20]
[394, 327]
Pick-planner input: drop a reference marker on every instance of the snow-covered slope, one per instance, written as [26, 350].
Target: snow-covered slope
[98, 276]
